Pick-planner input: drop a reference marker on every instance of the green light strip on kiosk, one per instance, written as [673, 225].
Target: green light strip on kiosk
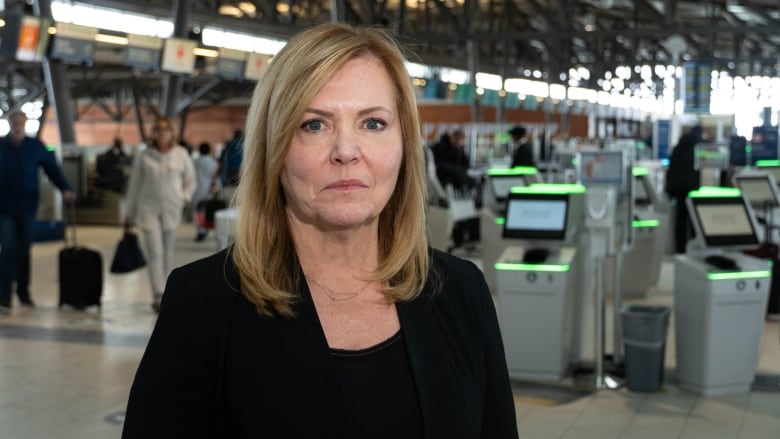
[531, 267]
[714, 192]
[517, 170]
[739, 275]
[500, 221]
[761, 163]
[549, 188]
[645, 223]
[640, 171]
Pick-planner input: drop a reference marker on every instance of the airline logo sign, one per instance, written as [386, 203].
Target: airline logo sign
[178, 55]
[29, 37]
[256, 65]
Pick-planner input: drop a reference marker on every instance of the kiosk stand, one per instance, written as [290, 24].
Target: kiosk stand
[641, 265]
[492, 214]
[719, 296]
[537, 283]
[608, 218]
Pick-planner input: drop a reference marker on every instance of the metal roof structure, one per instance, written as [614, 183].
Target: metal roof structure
[506, 37]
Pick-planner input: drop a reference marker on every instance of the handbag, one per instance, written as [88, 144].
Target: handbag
[204, 211]
[128, 255]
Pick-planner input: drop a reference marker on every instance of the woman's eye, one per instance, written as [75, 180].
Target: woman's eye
[313, 125]
[375, 124]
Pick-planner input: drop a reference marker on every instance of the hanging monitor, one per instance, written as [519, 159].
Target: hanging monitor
[722, 218]
[759, 188]
[601, 168]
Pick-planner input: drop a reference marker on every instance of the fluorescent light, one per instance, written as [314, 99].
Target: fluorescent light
[202, 51]
[112, 39]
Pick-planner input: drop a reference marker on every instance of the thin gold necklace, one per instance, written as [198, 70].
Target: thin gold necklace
[338, 296]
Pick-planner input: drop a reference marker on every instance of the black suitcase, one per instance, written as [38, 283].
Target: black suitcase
[205, 210]
[80, 274]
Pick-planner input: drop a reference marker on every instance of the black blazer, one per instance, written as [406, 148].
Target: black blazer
[214, 368]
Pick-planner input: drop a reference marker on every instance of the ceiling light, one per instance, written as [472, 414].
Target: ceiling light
[230, 10]
[201, 51]
[112, 39]
[248, 8]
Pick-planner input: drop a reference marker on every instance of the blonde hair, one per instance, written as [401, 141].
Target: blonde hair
[153, 139]
[263, 250]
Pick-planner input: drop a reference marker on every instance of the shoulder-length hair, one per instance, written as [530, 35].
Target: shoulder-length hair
[263, 250]
[162, 120]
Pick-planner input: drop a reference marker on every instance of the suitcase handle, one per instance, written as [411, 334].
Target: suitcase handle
[70, 222]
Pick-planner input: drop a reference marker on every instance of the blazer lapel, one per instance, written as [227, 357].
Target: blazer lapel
[428, 360]
[311, 370]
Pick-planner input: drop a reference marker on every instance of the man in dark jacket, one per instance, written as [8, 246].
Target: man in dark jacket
[681, 178]
[20, 158]
[452, 163]
[522, 151]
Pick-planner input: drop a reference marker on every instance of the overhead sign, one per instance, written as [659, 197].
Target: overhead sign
[178, 56]
[29, 40]
[231, 63]
[696, 87]
[256, 65]
[74, 43]
[143, 52]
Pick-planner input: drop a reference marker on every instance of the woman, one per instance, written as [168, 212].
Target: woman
[328, 316]
[161, 184]
[205, 167]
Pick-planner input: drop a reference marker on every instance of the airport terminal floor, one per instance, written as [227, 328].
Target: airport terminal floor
[67, 373]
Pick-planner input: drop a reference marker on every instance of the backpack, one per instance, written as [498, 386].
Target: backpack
[231, 163]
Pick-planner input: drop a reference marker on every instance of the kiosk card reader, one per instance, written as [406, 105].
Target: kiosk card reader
[720, 295]
[537, 282]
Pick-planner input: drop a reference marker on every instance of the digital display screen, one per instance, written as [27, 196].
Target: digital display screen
[758, 190]
[501, 184]
[724, 222]
[601, 168]
[536, 217]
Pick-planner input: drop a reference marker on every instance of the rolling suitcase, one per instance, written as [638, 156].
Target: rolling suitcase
[204, 211]
[80, 272]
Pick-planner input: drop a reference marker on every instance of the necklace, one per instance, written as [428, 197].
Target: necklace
[338, 296]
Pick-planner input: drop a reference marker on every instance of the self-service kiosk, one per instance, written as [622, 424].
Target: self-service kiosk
[720, 295]
[762, 192]
[491, 216]
[641, 265]
[538, 281]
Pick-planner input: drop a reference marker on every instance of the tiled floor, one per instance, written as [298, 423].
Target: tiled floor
[66, 374]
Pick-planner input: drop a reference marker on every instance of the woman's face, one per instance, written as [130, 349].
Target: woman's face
[345, 154]
[163, 134]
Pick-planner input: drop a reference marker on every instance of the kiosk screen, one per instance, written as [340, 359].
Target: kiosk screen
[501, 184]
[724, 222]
[759, 190]
[536, 217]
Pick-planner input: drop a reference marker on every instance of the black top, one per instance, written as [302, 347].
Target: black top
[379, 391]
[215, 368]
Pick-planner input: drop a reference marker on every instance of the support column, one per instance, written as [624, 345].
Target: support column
[173, 82]
[57, 85]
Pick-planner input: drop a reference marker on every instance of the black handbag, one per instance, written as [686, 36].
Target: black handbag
[128, 255]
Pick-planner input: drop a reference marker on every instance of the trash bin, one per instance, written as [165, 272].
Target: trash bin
[644, 336]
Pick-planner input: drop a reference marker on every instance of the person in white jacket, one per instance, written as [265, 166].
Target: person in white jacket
[161, 184]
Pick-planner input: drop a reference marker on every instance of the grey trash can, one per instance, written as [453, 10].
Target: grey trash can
[644, 337]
